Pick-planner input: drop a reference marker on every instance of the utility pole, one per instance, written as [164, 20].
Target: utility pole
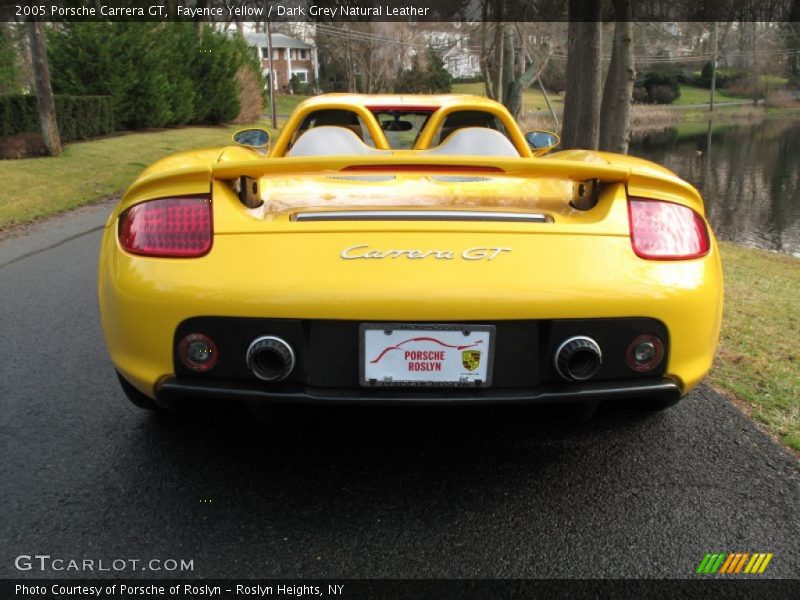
[755, 62]
[44, 91]
[271, 77]
[714, 67]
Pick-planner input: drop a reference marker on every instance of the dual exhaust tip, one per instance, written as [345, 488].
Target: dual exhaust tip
[270, 358]
[578, 358]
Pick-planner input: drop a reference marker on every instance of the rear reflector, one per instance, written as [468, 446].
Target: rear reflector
[170, 227]
[666, 231]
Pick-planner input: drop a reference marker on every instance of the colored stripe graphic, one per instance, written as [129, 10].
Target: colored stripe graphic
[741, 562]
[727, 564]
[734, 563]
[701, 568]
[754, 563]
[765, 563]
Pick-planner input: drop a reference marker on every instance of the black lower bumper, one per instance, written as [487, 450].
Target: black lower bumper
[181, 389]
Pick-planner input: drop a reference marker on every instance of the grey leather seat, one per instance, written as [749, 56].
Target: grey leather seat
[474, 141]
[329, 140]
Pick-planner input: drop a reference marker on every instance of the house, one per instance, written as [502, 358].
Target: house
[290, 56]
[460, 59]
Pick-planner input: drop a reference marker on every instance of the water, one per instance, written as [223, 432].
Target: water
[749, 176]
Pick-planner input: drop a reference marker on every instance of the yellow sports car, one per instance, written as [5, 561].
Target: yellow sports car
[408, 249]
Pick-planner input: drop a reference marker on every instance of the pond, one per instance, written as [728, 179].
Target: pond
[748, 174]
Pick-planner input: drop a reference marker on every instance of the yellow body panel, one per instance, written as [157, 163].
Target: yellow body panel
[264, 264]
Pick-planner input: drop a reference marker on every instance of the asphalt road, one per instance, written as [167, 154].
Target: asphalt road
[331, 492]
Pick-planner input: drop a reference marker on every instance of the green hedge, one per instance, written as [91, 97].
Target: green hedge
[79, 117]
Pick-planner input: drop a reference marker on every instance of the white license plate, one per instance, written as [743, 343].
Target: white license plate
[395, 354]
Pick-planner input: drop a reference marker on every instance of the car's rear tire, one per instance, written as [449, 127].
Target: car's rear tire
[136, 397]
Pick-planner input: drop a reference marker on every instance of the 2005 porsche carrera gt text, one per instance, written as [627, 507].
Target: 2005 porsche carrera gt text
[408, 249]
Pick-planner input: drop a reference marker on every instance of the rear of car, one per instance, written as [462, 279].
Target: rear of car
[577, 277]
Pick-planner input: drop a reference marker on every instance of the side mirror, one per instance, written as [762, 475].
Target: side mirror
[252, 138]
[541, 141]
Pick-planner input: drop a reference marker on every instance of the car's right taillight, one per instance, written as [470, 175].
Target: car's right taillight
[666, 231]
[168, 227]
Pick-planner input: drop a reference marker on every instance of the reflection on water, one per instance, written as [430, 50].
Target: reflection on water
[749, 176]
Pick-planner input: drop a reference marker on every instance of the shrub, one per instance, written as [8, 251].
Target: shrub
[251, 95]
[554, 77]
[639, 94]
[725, 76]
[78, 117]
[9, 71]
[783, 99]
[661, 87]
[298, 87]
[158, 74]
[473, 79]
[428, 78]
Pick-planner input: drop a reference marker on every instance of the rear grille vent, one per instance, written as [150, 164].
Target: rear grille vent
[460, 179]
[365, 178]
[422, 215]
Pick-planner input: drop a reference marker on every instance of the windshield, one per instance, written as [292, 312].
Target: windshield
[401, 127]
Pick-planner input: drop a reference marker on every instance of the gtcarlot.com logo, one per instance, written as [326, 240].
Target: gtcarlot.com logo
[45, 562]
[734, 563]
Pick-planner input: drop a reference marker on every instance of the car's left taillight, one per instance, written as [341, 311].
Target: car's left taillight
[666, 231]
[168, 227]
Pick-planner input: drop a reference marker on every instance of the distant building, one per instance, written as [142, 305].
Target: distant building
[290, 56]
[460, 60]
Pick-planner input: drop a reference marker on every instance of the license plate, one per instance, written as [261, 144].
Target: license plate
[396, 355]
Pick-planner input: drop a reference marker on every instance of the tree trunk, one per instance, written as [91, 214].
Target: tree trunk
[499, 60]
[581, 126]
[44, 92]
[522, 83]
[615, 108]
[509, 60]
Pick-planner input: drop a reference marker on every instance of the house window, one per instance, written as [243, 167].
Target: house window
[302, 76]
[303, 54]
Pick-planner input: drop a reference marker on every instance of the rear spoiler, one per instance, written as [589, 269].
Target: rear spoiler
[640, 183]
[197, 180]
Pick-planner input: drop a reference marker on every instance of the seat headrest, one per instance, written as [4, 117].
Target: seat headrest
[329, 140]
[475, 141]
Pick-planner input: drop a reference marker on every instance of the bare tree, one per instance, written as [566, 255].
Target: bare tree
[581, 126]
[618, 89]
[44, 91]
[508, 62]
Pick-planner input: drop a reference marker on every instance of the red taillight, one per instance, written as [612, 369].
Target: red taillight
[170, 227]
[666, 231]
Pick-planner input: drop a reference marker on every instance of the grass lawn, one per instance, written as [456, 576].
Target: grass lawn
[758, 360]
[696, 95]
[286, 103]
[90, 171]
[533, 99]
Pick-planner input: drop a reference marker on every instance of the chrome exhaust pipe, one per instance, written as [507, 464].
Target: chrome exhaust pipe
[270, 358]
[578, 358]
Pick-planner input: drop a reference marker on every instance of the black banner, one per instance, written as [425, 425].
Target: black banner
[384, 589]
[333, 11]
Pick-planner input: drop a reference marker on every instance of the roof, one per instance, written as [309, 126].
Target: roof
[278, 41]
